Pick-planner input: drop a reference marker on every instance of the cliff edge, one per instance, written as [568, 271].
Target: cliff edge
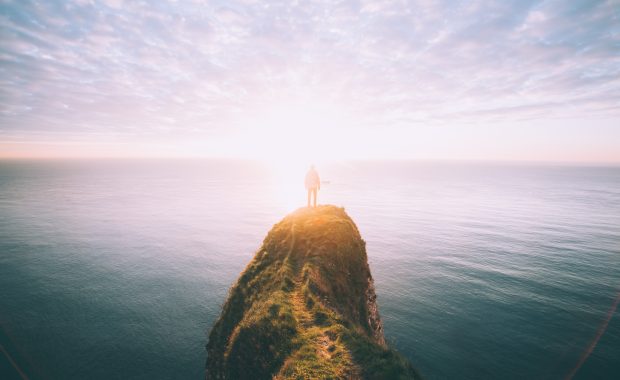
[305, 308]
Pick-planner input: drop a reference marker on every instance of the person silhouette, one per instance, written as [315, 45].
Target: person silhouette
[313, 184]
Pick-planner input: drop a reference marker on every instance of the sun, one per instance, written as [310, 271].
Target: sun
[289, 137]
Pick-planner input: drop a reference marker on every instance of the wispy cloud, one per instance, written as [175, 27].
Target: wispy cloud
[156, 68]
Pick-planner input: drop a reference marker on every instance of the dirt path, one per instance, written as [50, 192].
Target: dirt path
[314, 333]
[305, 320]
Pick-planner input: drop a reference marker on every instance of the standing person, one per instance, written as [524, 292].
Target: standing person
[313, 184]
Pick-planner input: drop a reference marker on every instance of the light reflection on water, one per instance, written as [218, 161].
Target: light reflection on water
[482, 271]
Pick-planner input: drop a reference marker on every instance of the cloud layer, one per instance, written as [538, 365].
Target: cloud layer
[74, 70]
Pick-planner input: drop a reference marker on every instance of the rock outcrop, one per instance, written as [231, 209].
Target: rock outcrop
[305, 308]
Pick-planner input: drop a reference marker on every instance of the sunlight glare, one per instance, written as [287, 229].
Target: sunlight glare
[290, 137]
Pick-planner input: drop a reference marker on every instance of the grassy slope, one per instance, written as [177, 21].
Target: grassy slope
[300, 308]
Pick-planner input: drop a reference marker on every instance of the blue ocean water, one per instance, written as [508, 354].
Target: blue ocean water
[118, 269]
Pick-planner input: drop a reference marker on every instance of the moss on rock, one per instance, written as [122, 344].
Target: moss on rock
[304, 308]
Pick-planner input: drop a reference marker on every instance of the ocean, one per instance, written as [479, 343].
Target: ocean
[117, 269]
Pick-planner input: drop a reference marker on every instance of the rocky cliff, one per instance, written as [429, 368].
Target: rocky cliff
[305, 308]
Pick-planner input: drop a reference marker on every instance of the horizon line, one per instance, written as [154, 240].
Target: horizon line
[532, 162]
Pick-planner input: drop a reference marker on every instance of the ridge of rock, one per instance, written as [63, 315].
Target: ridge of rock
[305, 308]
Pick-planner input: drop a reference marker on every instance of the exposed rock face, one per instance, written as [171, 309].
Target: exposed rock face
[305, 307]
[374, 321]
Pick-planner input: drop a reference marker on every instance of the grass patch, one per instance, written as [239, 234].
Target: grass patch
[304, 308]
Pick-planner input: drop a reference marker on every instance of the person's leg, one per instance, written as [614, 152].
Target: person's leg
[314, 193]
[309, 194]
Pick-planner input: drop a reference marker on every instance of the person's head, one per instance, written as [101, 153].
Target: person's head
[312, 167]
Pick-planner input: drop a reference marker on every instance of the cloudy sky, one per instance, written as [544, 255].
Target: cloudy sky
[508, 80]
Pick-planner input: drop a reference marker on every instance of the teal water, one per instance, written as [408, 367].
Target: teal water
[118, 269]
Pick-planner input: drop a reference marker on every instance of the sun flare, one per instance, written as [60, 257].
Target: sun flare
[291, 136]
[292, 133]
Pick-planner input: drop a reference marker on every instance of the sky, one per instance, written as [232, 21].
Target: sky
[309, 80]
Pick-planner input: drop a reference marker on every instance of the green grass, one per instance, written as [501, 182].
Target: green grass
[301, 308]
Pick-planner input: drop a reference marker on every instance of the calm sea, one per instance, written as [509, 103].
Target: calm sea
[118, 269]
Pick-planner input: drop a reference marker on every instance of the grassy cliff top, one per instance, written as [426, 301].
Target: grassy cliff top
[304, 308]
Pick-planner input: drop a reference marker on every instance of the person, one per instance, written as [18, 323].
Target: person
[313, 184]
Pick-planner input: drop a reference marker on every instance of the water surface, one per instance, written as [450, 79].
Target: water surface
[118, 269]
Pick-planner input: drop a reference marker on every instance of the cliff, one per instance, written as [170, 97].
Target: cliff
[305, 308]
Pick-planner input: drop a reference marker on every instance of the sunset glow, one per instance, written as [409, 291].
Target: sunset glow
[482, 80]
